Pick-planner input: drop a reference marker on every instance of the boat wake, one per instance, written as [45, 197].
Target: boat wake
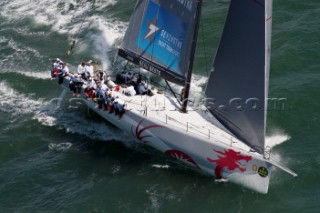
[76, 123]
[36, 74]
[16, 103]
[45, 113]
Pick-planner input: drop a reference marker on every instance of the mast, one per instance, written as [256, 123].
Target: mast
[186, 89]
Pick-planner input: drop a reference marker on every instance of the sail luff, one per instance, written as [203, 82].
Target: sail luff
[237, 85]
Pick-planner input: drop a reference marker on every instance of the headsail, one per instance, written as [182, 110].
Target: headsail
[238, 86]
[159, 37]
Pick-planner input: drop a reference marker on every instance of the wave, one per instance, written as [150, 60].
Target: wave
[60, 15]
[16, 103]
[73, 18]
[60, 146]
[35, 74]
[19, 52]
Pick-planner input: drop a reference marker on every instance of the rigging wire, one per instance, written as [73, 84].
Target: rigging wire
[76, 35]
[69, 51]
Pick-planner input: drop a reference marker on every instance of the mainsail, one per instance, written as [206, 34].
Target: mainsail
[238, 85]
[159, 37]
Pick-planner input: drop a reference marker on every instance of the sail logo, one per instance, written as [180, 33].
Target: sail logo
[152, 29]
[229, 159]
[161, 35]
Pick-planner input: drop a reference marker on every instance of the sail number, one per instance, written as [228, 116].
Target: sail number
[149, 67]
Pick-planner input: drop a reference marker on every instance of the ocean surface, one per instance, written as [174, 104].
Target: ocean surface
[71, 160]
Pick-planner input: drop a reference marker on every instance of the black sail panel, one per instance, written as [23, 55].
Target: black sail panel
[159, 37]
[236, 89]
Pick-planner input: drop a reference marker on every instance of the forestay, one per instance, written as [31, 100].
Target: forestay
[159, 37]
[238, 85]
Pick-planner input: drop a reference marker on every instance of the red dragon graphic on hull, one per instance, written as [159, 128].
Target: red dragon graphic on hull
[230, 159]
[138, 133]
[182, 157]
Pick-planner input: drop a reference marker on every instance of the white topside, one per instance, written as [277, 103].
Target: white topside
[164, 108]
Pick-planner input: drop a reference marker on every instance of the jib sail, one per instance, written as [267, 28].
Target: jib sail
[237, 89]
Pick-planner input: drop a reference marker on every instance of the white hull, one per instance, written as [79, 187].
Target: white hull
[198, 143]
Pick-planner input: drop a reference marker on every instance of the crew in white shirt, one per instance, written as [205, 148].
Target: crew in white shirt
[81, 68]
[89, 69]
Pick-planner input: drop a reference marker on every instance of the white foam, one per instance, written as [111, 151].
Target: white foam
[63, 19]
[112, 30]
[154, 197]
[17, 103]
[276, 138]
[36, 74]
[21, 53]
[158, 166]
[197, 83]
[43, 111]
[220, 180]
[74, 122]
[60, 146]
[115, 169]
[196, 92]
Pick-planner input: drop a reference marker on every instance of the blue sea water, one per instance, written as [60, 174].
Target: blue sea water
[71, 160]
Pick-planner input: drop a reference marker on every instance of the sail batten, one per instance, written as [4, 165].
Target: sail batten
[237, 86]
[159, 37]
